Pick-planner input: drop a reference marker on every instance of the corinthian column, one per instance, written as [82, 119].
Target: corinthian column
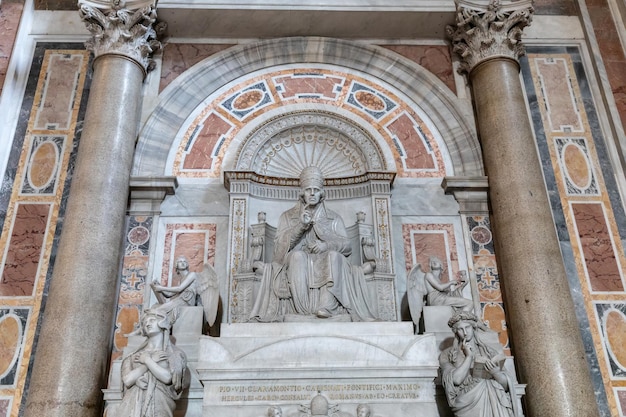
[545, 334]
[71, 359]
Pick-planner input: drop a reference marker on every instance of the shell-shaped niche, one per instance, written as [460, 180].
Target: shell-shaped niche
[285, 145]
[287, 153]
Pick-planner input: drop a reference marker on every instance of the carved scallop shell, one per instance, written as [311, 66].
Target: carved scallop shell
[293, 149]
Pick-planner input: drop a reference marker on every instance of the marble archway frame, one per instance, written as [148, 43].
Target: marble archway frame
[190, 90]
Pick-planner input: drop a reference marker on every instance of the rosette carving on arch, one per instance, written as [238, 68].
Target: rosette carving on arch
[486, 32]
[118, 29]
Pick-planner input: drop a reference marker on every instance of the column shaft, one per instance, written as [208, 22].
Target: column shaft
[546, 338]
[71, 358]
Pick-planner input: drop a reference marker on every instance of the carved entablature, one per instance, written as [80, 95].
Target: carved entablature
[274, 188]
[124, 28]
[488, 30]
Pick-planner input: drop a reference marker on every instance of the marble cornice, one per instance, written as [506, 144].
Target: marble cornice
[489, 29]
[126, 28]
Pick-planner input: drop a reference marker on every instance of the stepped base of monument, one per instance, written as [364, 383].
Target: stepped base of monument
[251, 367]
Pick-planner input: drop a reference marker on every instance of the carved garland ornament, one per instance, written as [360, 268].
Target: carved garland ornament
[483, 33]
[118, 30]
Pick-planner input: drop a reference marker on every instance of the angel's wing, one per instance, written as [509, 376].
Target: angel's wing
[415, 291]
[209, 291]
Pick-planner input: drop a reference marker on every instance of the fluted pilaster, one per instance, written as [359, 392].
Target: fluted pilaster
[71, 359]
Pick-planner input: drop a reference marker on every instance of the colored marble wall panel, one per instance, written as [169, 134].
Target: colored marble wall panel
[611, 317]
[417, 154]
[5, 407]
[435, 58]
[246, 101]
[318, 85]
[562, 110]
[493, 315]
[611, 49]
[11, 332]
[178, 57]
[577, 166]
[24, 251]
[615, 332]
[425, 245]
[193, 247]
[602, 267]
[424, 240]
[202, 150]
[13, 324]
[578, 172]
[621, 399]
[10, 14]
[134, 272]
[59, 92]
[44, 164]
[127, 318]
[194, 241]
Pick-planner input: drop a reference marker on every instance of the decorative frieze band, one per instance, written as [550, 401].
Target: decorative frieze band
[488, 30]
[246, 182]
[127, 31]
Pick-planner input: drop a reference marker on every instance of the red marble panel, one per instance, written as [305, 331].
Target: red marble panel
[617, 78]
[201, 153]
[25, 245]
[178, 57]
[435, 58]
[5, 407]
[55, 109]
[421, 241]
[295, 85]
[192, 246]
[621, 399]
[598, 251]
[10, 14]
[426, 245]
[562, 109]
[417, 156]
[191, 240]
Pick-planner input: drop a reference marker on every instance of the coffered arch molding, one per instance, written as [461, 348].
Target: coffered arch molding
[190, 89]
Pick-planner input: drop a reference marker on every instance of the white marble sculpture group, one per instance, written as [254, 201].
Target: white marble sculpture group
[311, 277]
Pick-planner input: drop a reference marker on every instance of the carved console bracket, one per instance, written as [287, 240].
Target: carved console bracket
[125, 28]
[469, 192]
[147, 193]
[489, 29]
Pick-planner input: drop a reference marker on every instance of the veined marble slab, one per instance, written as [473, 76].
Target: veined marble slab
[253, 366]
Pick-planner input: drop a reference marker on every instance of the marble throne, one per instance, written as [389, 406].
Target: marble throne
[366, 225]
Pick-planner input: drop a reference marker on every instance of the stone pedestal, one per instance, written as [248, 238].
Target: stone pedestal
[254, 366]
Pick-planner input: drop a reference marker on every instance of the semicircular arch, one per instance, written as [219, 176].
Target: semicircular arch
[180, 101]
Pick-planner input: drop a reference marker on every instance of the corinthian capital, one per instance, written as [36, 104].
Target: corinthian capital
[486, 30]
[123, 28]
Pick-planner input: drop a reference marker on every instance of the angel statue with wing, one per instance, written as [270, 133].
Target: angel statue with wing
[422, 284]
[192, 284]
